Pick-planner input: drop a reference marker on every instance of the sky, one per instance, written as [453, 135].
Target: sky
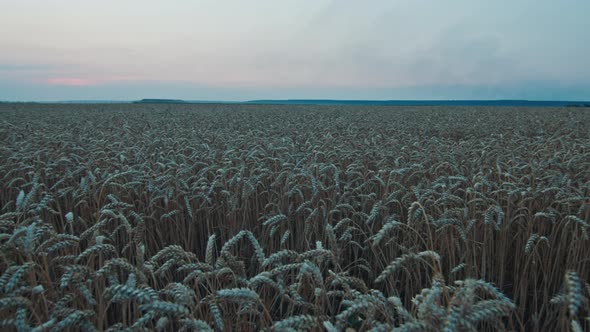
[294, 49]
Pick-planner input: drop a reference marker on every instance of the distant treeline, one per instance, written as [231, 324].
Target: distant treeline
[535, 103]
[160, 101]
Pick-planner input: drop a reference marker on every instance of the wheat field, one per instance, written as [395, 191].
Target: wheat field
[294, 218]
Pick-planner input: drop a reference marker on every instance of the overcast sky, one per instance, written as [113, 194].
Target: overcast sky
[345, 49]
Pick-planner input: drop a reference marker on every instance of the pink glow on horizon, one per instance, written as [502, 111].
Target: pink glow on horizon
[71, 81]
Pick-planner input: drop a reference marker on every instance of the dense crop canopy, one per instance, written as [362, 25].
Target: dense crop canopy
[248, 217]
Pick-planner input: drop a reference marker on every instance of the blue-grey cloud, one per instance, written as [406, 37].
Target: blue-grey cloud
[24, 67]
[531, 90]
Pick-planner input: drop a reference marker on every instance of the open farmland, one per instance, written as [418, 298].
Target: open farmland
[249, 217]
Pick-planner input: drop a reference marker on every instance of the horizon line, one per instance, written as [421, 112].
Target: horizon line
[327, 102]
[287, 99]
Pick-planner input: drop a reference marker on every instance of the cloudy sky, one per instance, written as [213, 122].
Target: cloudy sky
[342, 49]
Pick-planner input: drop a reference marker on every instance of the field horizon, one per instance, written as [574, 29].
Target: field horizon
[385, 102]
